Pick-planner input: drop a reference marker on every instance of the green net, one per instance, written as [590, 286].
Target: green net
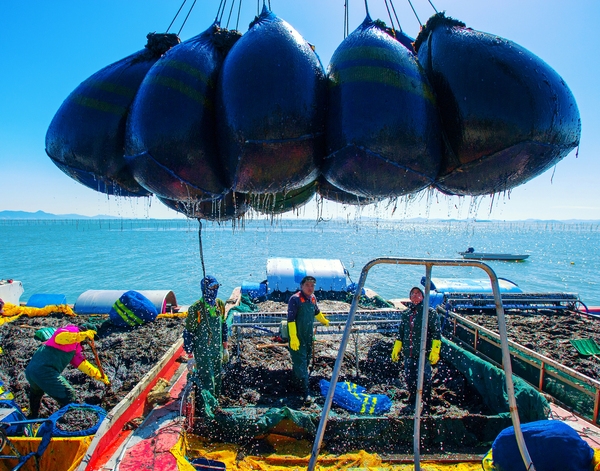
[565, 388]
[389, 433]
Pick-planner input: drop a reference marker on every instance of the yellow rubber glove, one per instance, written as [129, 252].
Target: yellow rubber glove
[434, 355]
[92, 371]
[105, 380]
[67, 338]
[396, 351]
[322, 319]
[294, 342]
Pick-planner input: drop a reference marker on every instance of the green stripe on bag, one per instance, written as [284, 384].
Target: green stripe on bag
[127, 314]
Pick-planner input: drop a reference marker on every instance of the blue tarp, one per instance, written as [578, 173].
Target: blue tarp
[353, 397]
[42, 300]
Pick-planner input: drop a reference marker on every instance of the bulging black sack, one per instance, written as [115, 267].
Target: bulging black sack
[506, 114]
[86, 137]
[171, 143]
[271, 112]
[383, 131]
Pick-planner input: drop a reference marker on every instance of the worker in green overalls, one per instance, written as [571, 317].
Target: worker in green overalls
[302, 311]
[408, 344]
[205, 335]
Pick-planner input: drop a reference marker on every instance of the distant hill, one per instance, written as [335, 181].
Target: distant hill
[43, 215]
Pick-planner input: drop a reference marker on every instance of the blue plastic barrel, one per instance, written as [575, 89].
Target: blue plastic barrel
[43, 300]
[253, 289]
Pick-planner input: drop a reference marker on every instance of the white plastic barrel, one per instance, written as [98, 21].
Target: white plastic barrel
[99, 301]
[11, 291]
[285, 274]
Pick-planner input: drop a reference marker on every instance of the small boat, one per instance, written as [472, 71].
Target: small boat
[470, 254]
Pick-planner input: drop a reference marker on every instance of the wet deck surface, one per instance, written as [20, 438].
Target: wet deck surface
[589, 432]
[149, 447]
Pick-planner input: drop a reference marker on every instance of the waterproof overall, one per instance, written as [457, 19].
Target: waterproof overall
[204, 323]
[409, 333]
[305, 318]
[44, 375]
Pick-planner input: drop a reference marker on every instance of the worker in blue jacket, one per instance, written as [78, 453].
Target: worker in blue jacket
[409, 343]
[302, 311]
[205, 335]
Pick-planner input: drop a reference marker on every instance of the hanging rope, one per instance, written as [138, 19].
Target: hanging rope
[201, 252]
[346, 26]
[186, 18]
[396, 16]
[230, 12]
[237, 23]
[432, 6]
[367, 7]
[414, 11]
[176, 15]
[220, 11]
[387, 7]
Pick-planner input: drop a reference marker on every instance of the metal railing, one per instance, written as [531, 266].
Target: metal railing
[428, 264]
[521, 301]
[545, 366]
[257, 324]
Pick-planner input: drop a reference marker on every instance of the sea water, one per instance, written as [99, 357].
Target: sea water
[71, 256]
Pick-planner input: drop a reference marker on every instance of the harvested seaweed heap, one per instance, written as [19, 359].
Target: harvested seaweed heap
[126, 354]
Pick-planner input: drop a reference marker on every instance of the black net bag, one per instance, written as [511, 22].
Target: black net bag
[86, 137]
[383, 131]
[507, 115]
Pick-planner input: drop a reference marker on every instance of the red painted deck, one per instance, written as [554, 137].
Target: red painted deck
[589, 432]
[148, 448]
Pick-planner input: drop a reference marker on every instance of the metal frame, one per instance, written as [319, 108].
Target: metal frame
[481, 334]
[428, 263]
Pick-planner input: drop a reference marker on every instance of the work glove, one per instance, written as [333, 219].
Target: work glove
[92, 371]
[225, 357]
[68, 338]
[293, 333]
[44, 333]
[191, 365]
[322, 319]
[434, 355]
[396, 351]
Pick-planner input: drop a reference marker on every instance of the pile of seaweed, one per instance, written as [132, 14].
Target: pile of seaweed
[126, 355]
[549, 334]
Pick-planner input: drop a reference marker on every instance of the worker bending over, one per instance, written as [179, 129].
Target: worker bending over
[302, 311]
[44, 371]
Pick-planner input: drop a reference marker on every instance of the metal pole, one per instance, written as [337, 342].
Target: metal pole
[336, 371]
[421, 374]
[510, 390]
[503, 343]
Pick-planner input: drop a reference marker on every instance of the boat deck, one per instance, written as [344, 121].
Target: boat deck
[149, 446]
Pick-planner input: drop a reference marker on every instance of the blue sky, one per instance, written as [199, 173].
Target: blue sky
[50, 47]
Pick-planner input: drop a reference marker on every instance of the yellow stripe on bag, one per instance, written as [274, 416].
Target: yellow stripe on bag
[372, 409]
[126, 314]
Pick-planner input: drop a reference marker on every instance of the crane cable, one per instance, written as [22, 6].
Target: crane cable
[186, 17]
[176, 15]
[201, 251]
